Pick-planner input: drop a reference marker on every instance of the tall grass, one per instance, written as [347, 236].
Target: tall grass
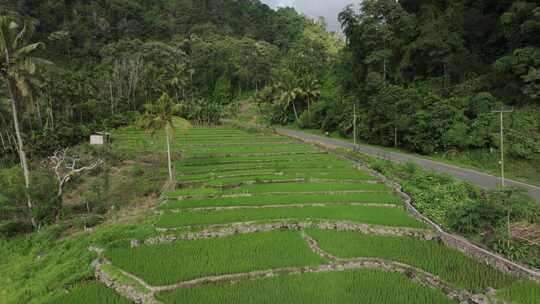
[449, 264]
[185, 260]
[346, 287]
[523, 292]
[91, 293]
[361, 214]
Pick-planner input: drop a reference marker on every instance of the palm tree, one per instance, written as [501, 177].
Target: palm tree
[288, 98]
[18, 68]
[161, 116]
[311, 93]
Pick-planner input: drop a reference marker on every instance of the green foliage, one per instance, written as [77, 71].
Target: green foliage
[91, 293]
[475, 217]
[347, 287]
[222, 91]
[203, 112]
[526, 292]
[436, 195]
[460, 207]
[425, 78]
[112, 58]
[56, 261]
[14, 214]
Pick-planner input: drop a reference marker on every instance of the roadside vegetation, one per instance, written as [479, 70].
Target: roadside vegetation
[504, 220]
[484, 160]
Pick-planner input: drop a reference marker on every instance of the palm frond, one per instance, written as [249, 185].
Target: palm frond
[5, 36]
[27, 49]
[25, 34]
[23, 85]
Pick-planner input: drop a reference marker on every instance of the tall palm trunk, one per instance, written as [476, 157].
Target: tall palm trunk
[169, 154]
[22, 154]
[295, 112]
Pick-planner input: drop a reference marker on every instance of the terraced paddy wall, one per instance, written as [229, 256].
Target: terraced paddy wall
[261, 218]
[453, 241]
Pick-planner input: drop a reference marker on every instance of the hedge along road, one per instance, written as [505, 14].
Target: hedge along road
[478, 178]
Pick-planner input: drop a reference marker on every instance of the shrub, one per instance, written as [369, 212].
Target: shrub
[307, 121]
[475, 217]
[12, 228]
[88, 221]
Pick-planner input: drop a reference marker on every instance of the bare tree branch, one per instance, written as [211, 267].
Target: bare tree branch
[66, 167]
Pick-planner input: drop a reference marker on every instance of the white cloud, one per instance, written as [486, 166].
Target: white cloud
[315, 8]
[285, 3]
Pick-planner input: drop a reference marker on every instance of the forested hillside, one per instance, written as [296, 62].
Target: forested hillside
[93, 65]
[111, 57]
[425, 76]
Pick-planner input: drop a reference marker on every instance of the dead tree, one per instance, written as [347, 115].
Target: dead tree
[67, 166]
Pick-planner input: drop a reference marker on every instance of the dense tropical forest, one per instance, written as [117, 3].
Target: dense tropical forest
[425, 76]
[418, 76]
[101, 61]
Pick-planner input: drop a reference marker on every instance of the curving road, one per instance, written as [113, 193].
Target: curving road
[478, 178]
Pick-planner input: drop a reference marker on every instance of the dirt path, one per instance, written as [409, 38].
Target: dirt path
[478, 178]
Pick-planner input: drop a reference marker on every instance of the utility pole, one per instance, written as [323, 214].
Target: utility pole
[501, 112]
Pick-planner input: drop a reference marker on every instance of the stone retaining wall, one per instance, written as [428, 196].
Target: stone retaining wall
[453, 241]
[245, 228]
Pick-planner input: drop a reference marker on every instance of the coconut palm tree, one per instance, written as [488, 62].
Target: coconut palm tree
[161, 116]
[311, 93]
[18, 69]
[288, 97]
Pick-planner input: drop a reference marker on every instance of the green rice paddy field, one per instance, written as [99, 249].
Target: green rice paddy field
[228, 178]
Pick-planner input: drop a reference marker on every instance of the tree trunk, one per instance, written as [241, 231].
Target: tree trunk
[22, 154]
[169, 154]
[38, 106]
[3, 142]
[395, 137]
[295, 112]
[112, 97]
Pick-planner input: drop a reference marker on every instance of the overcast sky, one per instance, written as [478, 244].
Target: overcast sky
[315, 8]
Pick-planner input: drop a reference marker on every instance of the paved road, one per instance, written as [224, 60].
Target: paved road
[478, 178]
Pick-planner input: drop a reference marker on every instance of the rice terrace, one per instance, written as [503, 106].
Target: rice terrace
[269, 151]
[259, 218]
